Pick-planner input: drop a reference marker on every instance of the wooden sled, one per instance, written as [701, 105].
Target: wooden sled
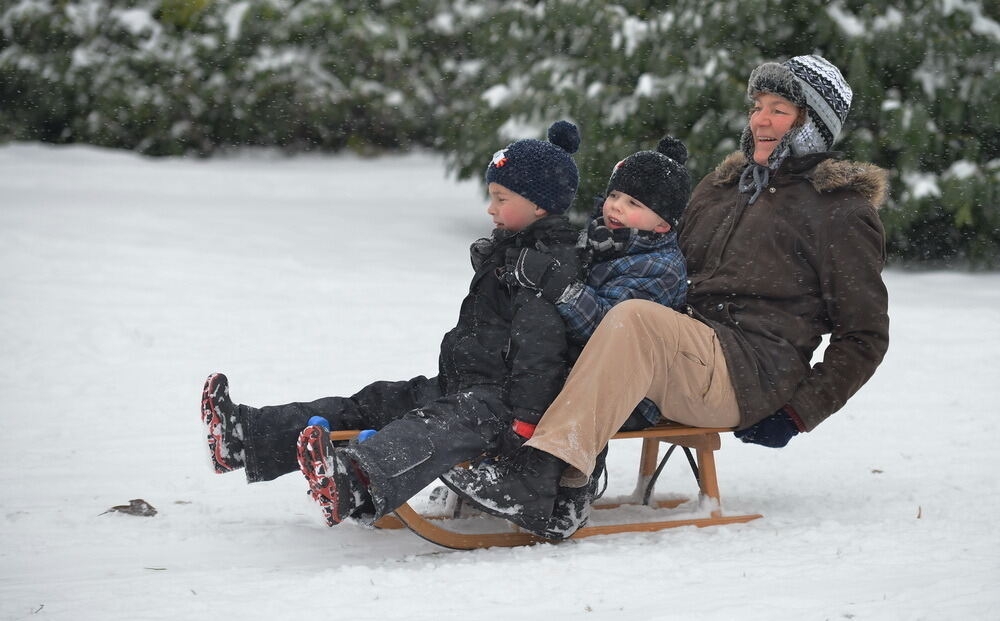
[703, 441]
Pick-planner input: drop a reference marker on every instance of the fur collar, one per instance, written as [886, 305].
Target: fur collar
[827, 175]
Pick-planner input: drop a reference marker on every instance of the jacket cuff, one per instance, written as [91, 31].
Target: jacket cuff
[570, 293]
[523, 429]
[794, 416]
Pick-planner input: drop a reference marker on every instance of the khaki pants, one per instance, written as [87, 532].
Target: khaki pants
[640, 349]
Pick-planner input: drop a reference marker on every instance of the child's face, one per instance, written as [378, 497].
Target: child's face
[510, 210]
[622, 211]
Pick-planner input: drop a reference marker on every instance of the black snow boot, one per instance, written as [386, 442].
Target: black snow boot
[223, 429]
[573, 504]
[522, 489]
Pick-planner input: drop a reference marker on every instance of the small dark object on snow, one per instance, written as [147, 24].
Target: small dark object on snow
[136, 506]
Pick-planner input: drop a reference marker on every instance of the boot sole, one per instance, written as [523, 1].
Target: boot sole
[211, 418]
[320, 471]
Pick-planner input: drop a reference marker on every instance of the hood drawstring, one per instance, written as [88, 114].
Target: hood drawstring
[760, 176]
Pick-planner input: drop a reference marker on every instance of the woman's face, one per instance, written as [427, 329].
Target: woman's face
[770, 119]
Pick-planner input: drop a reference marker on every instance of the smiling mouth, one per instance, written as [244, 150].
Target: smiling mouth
[614, 222]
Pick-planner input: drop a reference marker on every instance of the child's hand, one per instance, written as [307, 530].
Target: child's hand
[537, 271]
[509, 442]
[479, 251]
[604, 241]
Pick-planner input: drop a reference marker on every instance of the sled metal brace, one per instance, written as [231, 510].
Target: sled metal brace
[703, 441]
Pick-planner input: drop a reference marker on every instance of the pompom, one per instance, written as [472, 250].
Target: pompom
[673, 148]
[565, 135]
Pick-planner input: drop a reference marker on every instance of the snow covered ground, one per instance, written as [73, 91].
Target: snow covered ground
[124, 281]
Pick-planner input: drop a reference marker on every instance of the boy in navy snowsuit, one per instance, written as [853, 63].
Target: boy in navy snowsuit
[505, 360]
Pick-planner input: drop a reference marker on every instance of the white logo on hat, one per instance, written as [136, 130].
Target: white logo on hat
[500, 157]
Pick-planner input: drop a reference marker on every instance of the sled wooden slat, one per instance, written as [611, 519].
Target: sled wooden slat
[391, 522]
[703, 441]
[347, 434]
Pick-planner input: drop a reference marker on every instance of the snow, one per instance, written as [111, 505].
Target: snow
[854, 26]
[634, 32]
[234, 19]
[518, 127]
[981, 25]
[496, 95]
[962, 169]
[919, 185]
[124, 281]
[848, 22]
[137, 20]
[646, 86]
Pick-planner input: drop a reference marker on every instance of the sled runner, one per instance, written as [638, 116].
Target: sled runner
[703, 441]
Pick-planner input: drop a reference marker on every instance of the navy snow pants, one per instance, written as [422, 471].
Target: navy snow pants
[421, 433]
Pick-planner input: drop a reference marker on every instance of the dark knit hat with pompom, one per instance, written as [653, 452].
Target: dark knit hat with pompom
[542, 172]
[658, 179]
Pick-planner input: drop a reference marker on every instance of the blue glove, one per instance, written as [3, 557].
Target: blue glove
[774, 431]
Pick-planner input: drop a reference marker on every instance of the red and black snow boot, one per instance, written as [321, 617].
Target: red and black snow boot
[335, 481]
[224, 431]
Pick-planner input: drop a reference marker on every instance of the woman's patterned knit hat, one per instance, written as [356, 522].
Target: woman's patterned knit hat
[658, 179]
[542, 172]
[811, 82]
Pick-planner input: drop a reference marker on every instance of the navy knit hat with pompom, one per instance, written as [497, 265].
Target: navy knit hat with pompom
[542, 172]
[658, 179]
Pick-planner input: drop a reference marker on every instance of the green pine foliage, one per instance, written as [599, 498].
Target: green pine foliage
[168, 77]
[466, 77]
[925, 76]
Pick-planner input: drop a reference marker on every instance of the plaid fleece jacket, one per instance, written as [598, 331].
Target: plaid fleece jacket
[650, 266]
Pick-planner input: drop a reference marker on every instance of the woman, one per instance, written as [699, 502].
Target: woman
[784, 245]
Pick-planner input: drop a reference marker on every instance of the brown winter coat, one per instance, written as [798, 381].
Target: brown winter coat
[773, 277]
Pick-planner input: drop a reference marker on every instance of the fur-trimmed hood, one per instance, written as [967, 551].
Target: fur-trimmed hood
[824, 172]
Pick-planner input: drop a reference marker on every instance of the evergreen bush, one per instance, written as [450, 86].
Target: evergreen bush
[465, 77]
[925, 76]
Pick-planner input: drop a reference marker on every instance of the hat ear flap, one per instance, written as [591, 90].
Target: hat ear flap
[746, 143]
[806, 139]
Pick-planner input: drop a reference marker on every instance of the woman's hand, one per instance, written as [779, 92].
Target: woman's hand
[775, 431]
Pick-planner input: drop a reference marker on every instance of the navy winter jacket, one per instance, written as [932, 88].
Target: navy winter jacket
[509, 337]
